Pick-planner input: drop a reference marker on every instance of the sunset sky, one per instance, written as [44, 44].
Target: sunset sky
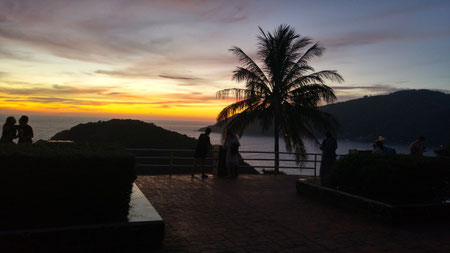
[166, 59]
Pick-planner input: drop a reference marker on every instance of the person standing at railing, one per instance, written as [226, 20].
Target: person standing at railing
[328, 147]
[417, 147]
[203, 147]
[232, 153]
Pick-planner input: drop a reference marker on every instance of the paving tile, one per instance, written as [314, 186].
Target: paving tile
[257, 213]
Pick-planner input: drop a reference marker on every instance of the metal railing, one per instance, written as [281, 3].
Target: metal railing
[178, 158]
[168, 155]
[313, 163]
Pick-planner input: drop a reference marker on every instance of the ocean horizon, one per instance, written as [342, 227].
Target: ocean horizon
[46, 126]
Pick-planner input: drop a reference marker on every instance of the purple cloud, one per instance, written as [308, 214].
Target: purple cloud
[129, 73]
[104, 31]
[375, 87]
[352, 39]
[179, 77]
[37, 89]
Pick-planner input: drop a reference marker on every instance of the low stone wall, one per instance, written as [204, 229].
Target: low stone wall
[143, 231]
[375, 209]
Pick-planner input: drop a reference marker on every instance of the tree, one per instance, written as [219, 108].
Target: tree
[284, 92]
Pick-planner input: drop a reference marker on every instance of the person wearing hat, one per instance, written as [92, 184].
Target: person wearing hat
[203, 147]
[378, 147]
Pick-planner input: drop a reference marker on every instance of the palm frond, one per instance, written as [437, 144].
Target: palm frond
[312, 94]
[226, 93]
[331, 75]
[236, 108]
[274, 50]
[300, 44]
[294, 52]
[292, 129]
[241, 121]
[315, 51]
[295, 72]
[248, 63]
[319, 121]
[317, 77]
[253, 81]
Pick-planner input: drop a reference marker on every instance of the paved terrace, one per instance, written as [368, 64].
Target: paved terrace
[257, 213]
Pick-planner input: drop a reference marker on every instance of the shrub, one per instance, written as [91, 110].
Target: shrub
[272, 172]
[393, 178]
[52, 184]
[444, 151]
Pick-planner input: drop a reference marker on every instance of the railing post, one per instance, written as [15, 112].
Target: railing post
[171, 164]
[215, 160]
[315, 166]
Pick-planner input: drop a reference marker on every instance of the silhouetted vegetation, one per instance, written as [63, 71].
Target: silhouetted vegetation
[283, 92]
[444, 151]
[271, 172]
[53, 184]
[395, 179]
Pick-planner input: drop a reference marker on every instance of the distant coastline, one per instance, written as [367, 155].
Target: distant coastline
[400, 117]
[47, 126]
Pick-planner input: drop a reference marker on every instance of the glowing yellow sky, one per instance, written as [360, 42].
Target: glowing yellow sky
[56, 85]
[158, 99]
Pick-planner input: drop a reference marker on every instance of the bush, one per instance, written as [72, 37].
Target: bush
[444, 151]
[272, 172]
[393, 178]
[53, 184]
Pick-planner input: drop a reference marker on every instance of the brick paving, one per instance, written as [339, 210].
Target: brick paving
[263, 213]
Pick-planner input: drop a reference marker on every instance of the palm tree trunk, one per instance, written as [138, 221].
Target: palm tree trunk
[276, 145]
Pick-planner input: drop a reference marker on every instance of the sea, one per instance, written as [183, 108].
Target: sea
[46, 126]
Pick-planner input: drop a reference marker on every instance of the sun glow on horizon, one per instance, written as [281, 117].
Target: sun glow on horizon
[100, 95]
[166, 107]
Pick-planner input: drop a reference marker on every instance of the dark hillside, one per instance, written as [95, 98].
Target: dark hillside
[399, 117]
[138, 134]
[128, 133]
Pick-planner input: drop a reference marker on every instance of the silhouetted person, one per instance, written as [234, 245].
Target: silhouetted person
[25, 131]
[378, 147]
[203, 147]
[328, 147]
[232, 153]
[417, 147]
[9, 132]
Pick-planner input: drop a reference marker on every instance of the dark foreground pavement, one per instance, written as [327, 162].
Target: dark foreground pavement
[257, 213]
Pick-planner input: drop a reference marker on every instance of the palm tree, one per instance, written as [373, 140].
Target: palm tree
[283, 93]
